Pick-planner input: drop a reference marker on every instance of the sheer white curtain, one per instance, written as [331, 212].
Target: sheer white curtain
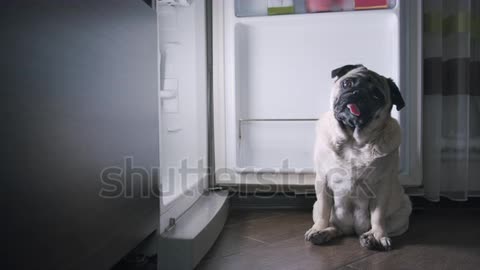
[451, 99]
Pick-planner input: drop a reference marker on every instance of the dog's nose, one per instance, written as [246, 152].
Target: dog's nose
[356, 92]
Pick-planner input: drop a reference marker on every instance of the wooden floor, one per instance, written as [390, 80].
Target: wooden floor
[274, 239]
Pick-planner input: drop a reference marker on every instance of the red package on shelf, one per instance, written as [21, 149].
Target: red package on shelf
[319, 5]
[371, 4]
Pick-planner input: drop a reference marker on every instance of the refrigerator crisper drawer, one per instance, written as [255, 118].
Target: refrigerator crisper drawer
[277, 80]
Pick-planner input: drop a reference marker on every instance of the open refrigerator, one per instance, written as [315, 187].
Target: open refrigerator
[241, 89]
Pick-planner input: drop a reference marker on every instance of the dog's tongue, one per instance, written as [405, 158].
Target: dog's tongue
[354, 109]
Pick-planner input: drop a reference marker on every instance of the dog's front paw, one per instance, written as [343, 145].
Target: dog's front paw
[319, 236]
[368, 240]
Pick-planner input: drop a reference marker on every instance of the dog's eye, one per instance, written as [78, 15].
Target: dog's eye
[347, 84]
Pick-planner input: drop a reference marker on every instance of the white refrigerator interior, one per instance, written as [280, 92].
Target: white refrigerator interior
[272, 80]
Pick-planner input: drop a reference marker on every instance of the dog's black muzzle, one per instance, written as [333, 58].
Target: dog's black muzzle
[355, 107]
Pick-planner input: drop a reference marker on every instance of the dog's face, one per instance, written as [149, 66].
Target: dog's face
[361, 96]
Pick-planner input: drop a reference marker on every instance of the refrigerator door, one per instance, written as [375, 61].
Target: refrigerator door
[79, 116]
[191, 217]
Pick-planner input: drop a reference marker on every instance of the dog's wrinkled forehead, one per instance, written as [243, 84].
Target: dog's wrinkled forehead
[342, 71]
[363, 77]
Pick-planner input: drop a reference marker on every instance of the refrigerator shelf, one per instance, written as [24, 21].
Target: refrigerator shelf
[258, 8]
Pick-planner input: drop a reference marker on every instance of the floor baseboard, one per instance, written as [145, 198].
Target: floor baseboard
[289, 200]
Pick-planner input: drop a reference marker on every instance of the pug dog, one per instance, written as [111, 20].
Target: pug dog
[356, 162]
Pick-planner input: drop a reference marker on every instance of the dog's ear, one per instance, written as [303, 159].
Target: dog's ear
[395, 95]
[339, 72]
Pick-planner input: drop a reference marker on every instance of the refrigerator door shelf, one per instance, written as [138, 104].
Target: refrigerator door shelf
[173, 3]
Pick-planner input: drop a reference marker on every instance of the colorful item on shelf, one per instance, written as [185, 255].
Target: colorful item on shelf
[278, 7]
[371, 4]
[319, 5]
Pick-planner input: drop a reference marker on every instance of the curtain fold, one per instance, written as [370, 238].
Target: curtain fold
[451, 109]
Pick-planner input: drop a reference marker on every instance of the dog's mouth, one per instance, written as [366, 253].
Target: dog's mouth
[352, 103]
[354, 109]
